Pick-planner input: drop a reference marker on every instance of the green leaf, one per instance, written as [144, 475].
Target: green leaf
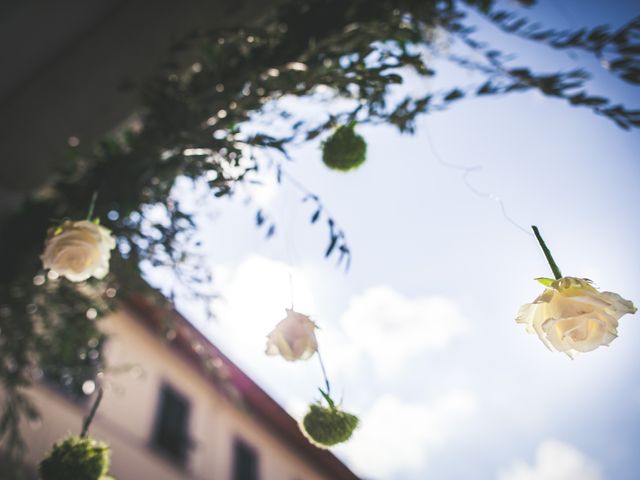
[545, 281]
[454, 94]
[327, 398]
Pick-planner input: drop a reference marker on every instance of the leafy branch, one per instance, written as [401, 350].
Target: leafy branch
[617, 49]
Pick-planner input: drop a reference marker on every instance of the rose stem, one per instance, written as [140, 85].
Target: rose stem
[92, 413]
[324, 373]
[92, 205]
[547, 253]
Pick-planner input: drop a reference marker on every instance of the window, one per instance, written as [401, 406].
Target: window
[171, 436]
[245, 461]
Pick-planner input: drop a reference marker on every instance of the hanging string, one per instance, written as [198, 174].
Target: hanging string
[288, 215]
[291, 285]
[466, 171]
[291, 252]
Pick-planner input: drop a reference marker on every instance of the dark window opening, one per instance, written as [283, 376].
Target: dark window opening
[171, 435]
[245, 461]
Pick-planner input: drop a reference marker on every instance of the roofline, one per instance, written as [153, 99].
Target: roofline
[249, 394]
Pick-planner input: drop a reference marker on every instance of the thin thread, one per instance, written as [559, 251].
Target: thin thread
[465, 177]
[291, 251]
[288, 241]
[291, 287]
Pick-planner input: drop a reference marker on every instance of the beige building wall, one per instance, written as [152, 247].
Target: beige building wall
[126, 416]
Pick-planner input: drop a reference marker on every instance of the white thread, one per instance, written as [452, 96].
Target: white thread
[465, 177]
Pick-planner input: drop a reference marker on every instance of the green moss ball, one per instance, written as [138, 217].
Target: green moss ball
[344, 150]
[76, 458]
[325, 427]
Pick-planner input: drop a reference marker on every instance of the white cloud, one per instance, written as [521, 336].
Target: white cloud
[254, 295]
[390, 328]
[397, 436]
[555, 460]
[259, 287]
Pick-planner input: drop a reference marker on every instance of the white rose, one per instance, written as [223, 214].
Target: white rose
[78, 250]
[572, 316]
[293, 338]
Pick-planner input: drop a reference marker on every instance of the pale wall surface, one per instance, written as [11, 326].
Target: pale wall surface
[126, 415]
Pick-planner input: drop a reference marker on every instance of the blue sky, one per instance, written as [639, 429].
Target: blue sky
[419, 336]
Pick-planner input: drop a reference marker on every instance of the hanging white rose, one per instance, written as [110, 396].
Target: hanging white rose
[78, 250]
[293, 338]
[572, 316]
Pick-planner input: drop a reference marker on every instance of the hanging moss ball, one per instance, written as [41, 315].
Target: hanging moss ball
[325, 427]
[345, 149]
[76, 458]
